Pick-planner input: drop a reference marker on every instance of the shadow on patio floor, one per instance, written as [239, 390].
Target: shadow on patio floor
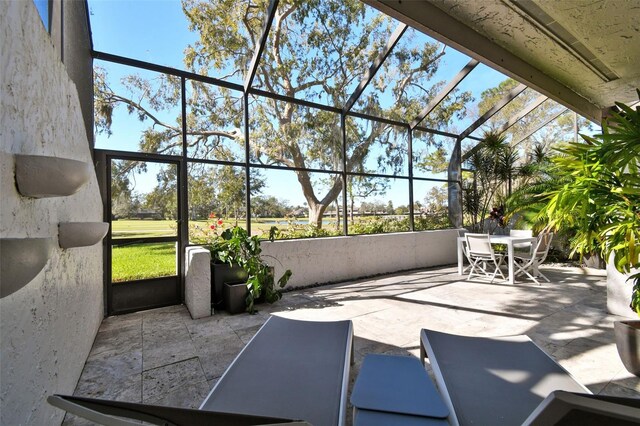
[164, 357]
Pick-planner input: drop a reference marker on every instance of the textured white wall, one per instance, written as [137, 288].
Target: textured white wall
[46, 328]
[324, 260]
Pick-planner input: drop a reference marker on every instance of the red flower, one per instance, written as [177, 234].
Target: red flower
[220, 222]
[212, 215]
[212, 227]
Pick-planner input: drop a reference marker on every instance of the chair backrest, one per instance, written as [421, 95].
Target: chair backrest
[542, 246]
[462, 232]
[479, 244]
[521, 233]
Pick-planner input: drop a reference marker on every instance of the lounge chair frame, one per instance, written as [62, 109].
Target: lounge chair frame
[119, 413]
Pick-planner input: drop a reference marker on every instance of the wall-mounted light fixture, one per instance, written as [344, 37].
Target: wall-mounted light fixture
[81, 234]
[42, 176]
[21, 259]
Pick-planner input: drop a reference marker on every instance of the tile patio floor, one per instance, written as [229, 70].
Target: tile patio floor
[164, 357]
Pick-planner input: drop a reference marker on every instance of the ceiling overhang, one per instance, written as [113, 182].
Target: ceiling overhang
[582, 54]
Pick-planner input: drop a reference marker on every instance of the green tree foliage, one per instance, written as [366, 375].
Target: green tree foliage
[514, 170]
[123, 201]
[220, 189]
[436, 199]
[536, 177]
[435, 161]
[163, 199]
[601, 197]
[202, 194]
[559, 130]
[316, 50]
[494, 165]
[262, 206]
[364, 187]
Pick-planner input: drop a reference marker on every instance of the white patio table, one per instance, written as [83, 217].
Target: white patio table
[497, 239]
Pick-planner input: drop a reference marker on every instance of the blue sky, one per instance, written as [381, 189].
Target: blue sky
[157, 31]
[150, 30]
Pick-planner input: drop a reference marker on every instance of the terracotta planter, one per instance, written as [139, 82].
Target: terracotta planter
[628, 344]
[235, 296]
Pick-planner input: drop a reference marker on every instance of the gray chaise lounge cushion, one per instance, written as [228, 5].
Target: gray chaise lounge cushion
[493, 381]
[290, 369]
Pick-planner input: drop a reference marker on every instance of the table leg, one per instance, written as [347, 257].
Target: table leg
[460, 257]
[510, 261]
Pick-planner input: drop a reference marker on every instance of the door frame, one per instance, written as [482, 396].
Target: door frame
[153, 292]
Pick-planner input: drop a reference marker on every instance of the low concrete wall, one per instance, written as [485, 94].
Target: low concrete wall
[325, 260]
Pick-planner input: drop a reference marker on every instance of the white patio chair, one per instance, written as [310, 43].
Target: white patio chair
[461, 233]
[528, 263]
[521, 233]
[482, 257]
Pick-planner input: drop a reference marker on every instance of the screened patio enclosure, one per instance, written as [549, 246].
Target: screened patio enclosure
[320, 118]
[213, 147]
[365, 111]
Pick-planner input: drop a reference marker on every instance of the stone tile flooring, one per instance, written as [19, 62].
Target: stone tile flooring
[164, 357]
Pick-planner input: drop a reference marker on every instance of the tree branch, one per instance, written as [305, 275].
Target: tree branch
[113, 98]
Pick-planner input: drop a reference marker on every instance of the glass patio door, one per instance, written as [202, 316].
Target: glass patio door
[143, 256]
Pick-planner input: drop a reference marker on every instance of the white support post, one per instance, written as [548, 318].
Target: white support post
[197, 292]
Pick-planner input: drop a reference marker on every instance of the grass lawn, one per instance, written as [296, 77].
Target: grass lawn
[143, 228]
[132, 228]
[168, 228]
[152, 260]
[140, 261]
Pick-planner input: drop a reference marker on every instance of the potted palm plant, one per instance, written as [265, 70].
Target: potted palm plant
[601, 202]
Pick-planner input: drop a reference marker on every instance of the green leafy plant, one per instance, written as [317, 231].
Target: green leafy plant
[493, 162]
[601, 200]
[236, 247]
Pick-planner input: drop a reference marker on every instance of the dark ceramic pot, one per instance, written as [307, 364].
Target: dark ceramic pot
[223, 273]
[628, 344]
[235, 296]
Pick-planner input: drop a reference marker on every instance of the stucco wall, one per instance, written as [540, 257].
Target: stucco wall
[47, 327]
[324, 260]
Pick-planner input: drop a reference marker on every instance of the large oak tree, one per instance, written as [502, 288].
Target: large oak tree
[317, 50]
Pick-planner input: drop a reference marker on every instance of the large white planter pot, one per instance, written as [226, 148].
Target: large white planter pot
[619, 292]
